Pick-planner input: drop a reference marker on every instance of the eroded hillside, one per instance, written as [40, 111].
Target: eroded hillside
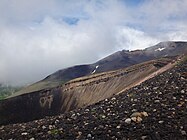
[79, 92]
[91, 89]
[154, 110]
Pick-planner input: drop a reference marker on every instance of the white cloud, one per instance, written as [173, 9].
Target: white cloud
[32, 54]
[35, 41]
[132, 39]
[162, 15]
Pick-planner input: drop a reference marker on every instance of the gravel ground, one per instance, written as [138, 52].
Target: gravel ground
[156, 109]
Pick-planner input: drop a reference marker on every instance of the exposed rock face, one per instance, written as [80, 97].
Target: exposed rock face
[76, 93]
[94, 88]
[156, 109]
[30, 106]
[51, 96]
[124, 58]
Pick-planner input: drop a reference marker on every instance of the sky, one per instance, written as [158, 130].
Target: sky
[39, 37]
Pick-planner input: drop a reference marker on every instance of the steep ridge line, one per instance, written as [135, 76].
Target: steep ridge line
[57, 100]
[82, 94]
[117, 60]
[163, 100]
[103, 77]
[159, 71]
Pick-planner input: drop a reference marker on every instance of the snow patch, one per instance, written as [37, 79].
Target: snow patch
[95, 69]
[160, 49]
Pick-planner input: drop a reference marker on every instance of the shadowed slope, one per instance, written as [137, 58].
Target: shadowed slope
[77, 93]
[162, 100]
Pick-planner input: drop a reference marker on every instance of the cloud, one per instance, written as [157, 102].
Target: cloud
[162, 15]
[132, 39]
[39, 37]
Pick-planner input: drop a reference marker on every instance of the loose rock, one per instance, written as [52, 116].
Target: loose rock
[128, 121]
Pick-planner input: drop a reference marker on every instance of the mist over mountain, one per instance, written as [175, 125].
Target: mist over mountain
[39, 37]
[117, 60]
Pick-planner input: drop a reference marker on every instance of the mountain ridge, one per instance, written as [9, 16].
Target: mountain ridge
[89, 89]
[76, 93]
[155, 109]
[117, 60]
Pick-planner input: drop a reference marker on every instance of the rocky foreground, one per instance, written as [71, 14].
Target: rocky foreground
[156, 109]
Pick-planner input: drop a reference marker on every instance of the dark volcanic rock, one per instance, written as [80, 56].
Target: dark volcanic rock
[75, 94]
[122, 59]
[70, 73]
[163, 99]
[30, 106]
[36, 98]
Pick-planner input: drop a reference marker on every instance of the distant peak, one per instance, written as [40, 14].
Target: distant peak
[170, 42]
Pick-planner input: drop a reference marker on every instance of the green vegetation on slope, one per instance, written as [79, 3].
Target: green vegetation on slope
[6, 91]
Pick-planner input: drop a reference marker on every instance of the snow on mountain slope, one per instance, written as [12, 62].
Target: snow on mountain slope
[159, 49]
[95, 69]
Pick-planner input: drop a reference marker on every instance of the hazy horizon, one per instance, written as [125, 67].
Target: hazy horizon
[39, 37]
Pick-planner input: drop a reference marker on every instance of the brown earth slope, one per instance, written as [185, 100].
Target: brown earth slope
[94, 88]
[77, 93]
[154, 110]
